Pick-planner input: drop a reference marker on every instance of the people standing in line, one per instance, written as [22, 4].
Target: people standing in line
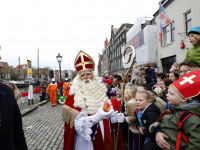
[148, 114]
[174, 67]
[11, 130]
[15, 90]
[193, 54]
[59, 86]
[185, 66]
[66, 87]
[140, 80]
[135, 73]
[151, 72]
[43, 86]
[182, 97]
[173, 76]
[52, 90]
[130, 108]
[17, 93]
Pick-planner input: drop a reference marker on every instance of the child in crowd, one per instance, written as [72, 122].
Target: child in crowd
[174, 67]
[130, 107]
[193, 54]
[147, 115]
[140, 80]
[173, 76]
[112, 94]
[118, 95]
[183, 95]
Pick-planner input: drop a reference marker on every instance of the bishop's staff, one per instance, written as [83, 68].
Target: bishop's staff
[126, 62]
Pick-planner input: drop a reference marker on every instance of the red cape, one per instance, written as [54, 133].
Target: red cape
[98, 143]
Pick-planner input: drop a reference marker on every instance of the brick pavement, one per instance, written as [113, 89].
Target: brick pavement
[44, 128]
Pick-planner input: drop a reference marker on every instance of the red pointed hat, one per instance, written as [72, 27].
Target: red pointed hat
[83, 62]
[188, 85]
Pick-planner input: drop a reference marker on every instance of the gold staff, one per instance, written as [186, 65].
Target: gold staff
[126, 62]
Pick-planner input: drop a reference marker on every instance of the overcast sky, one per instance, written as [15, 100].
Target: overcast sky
[63, 26]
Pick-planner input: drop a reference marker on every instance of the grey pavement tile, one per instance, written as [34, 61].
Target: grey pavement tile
[44, 129]
[55, 147]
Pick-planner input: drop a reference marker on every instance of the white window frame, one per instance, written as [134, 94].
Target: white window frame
[186, 21]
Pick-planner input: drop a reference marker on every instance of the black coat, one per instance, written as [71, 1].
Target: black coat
[11, 131]
[149, 116]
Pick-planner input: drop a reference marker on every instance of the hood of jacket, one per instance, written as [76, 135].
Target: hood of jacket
[193, 107]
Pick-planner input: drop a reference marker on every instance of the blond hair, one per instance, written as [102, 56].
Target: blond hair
[175, 63]
[148, 95]
[131, 92]
[197, 36]
[139, 81]
[15, 89]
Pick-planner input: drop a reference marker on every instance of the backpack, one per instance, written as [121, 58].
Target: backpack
[183, 116]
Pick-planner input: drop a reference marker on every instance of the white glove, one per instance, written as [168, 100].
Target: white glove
[155, 125]
[101, 114]
[117, 118]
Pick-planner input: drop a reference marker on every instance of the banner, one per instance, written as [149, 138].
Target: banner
[136, 41]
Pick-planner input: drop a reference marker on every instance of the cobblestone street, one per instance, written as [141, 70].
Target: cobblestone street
[44, 128]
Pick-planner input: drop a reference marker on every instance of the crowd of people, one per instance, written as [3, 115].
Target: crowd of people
[153, 103]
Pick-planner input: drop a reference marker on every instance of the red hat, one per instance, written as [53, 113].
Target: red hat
[109, 81]
[188, 85]
[83, 62]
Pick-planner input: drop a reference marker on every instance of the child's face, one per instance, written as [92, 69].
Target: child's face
[118, 94]
[141, 101]
[113, 96]
[144, 81]
[173, 97]
[172, 77]
[126, 97]
[176, 66]
[193, 40]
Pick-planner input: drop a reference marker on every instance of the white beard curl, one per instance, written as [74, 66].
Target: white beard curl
[90, 94]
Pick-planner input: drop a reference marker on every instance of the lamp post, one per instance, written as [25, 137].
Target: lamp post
[59, 59]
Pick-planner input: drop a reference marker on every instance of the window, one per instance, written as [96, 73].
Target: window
[188, 22]
[166, 35]
[167, 63]
[172, 31]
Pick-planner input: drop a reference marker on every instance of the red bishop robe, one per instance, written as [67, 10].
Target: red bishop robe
[69, 113]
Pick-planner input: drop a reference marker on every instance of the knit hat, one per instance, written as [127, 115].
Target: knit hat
[188, 85]
[195, 30]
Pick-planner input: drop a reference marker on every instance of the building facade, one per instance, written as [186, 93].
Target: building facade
[114, 48]
[184, 15]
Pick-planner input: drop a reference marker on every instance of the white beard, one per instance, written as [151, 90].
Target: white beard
[89, 95]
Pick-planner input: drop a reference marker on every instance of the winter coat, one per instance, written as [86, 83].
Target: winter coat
[151, 72]
[43, 86]
[11, 131]
[161, 104]
[135, 74]
[193, 54]
[191, 127]
[149, 116]
[130, 108]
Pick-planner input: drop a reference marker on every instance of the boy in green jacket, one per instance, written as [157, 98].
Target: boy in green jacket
[183, 95]
[193, 54]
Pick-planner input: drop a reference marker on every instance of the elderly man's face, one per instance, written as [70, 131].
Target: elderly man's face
[86, 75]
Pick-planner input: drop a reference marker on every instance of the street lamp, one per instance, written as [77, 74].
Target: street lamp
[59, 59]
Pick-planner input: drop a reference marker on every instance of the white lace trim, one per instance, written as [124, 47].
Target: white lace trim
[83, 125]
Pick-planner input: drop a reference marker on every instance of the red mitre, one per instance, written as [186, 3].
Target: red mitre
[83, 62]
[188, 85]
